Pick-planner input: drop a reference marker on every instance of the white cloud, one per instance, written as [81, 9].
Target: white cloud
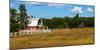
[89, 10]
[77, 10]
[35, 3]
[55, 5]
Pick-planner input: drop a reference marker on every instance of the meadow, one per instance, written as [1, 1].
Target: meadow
[58, 37]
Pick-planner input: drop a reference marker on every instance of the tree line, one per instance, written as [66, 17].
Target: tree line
[69, 22]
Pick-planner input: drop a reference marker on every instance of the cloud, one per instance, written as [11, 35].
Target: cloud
[89, 10]
[56, 5]
[34, 3]
[77, 10]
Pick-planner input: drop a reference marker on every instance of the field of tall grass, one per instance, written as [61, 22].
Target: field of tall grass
[58, 37]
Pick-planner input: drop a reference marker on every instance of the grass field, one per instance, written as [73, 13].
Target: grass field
[61, 37]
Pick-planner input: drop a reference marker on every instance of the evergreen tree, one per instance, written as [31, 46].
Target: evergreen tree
[23, 16]
[14, 25]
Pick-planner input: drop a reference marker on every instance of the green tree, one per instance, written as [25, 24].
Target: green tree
[23, 16]
[59, 22]
[14, 22]
[77, 16]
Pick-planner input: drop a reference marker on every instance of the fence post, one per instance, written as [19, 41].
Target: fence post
[10, 34]
[31, 33]
[19, 33]
[36, 31]
[27, 33]
[15, 34]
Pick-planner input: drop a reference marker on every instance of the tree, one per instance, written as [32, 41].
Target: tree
[55, 23]
[19, 20]
[58, 22]
[14, 25]
[77, 16]
[75, 21]
[23, 16]
[67, 22]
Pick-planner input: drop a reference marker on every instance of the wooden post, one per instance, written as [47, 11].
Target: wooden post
[15, 33]
[30, 33]
[26, 33]
[47, 27]
[19, 33]
[10, 34]
[43, 27]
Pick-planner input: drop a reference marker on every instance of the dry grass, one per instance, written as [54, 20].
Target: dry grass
[75, 36]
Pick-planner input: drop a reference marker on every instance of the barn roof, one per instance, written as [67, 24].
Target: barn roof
[33, 21]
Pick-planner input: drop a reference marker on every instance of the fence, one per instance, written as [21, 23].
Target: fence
[21, 33]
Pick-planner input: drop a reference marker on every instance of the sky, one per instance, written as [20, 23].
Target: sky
[50, 10]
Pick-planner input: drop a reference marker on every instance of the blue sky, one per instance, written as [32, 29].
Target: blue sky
[49, 10]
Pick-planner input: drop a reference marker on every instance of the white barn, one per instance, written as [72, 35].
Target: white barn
[35, 23]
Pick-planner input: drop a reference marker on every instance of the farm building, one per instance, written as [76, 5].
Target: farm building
[35, 23]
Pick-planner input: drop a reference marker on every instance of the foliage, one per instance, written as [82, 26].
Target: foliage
[68, 22]
[14, 25]
[23, 16]
[19, 20]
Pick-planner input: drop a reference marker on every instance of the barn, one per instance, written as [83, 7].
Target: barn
[35, 23]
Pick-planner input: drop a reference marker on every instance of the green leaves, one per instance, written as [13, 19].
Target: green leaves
[14, 25]
[19, 20]
[23, 16]
[67, 22]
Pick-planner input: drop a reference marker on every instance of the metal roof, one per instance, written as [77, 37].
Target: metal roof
[33, 21]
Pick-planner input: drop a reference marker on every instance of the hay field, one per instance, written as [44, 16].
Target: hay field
[58, 37]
